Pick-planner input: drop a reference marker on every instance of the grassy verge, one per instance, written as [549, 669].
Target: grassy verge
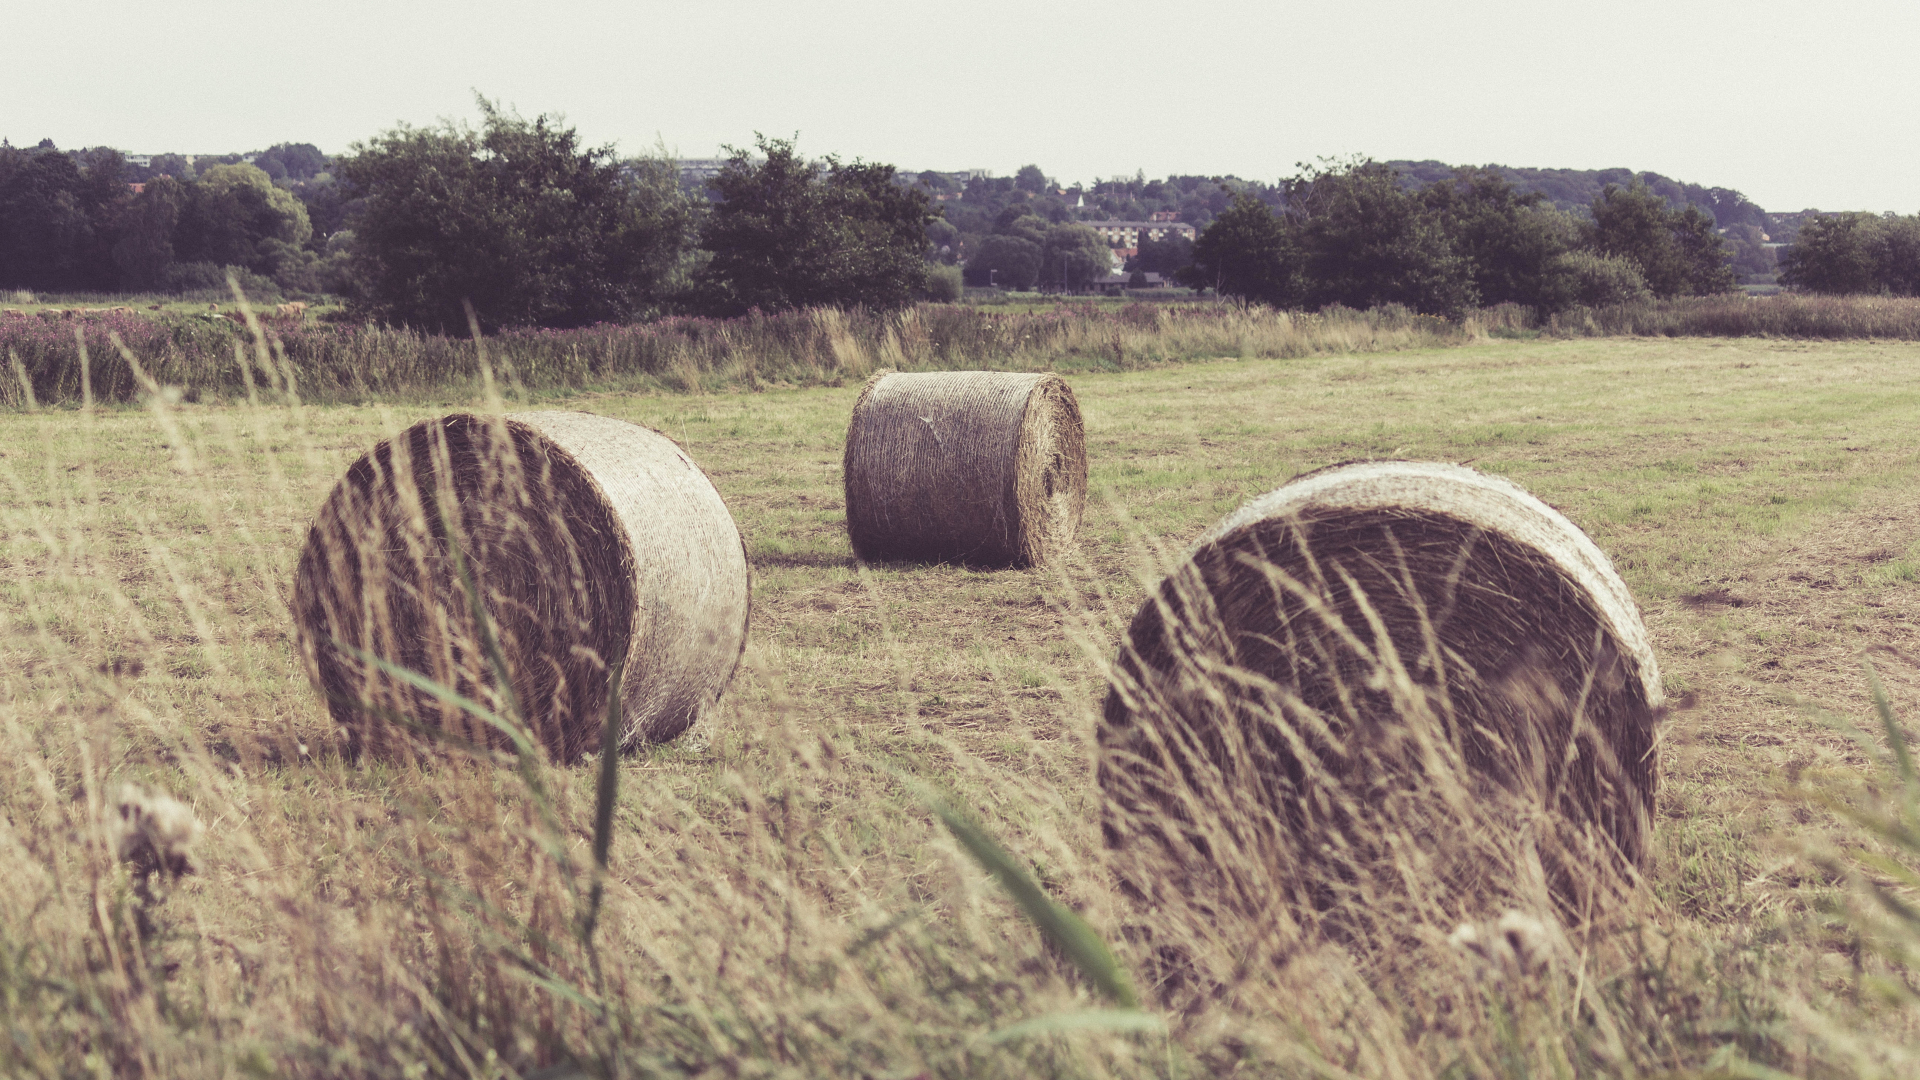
[1785, 315]
[60, 355]
[782, 903]
[213, 359]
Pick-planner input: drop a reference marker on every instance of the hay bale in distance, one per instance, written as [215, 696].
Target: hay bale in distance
[592, 541]
[1288, 661]
[987, 468]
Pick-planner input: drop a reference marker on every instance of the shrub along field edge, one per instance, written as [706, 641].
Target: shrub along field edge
[66, 357]
[214, 358]
[1736, 315]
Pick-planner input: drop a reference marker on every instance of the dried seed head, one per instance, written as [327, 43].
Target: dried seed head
[155, 832]
[1517, 945]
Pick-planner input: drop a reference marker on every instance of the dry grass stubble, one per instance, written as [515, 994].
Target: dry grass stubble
[778, 903]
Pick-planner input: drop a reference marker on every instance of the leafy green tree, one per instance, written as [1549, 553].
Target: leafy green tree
[55, 225]
[1512, 242]
[233, 213]
[1730, 208]
[174, 165]
[104, 191]
[1020, 220]
[329, 206]
[1837, 254]
[1677, 251]
[1248, 253]
[1170, 256]
[941, 237]
[934, 182]
[1071, 256]
[515, 217]
[1031, 180]
[291, 161]
[1750, 253]
[1367, 240]
[1011, 262]
[143, 248]
[1900, 255]
[56, 218]
[42, 226]
[785, 233]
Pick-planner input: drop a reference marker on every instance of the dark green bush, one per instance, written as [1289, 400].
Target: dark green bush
[944, 284]
[185, 277]
[1598, 280]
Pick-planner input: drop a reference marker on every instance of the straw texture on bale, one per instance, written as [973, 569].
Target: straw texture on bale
[987, 468]
[1345, 639]
[592, 541]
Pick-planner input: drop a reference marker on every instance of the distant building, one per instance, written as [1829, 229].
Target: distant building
[1130, 234]
[960, 178]
[700, 170]
[1113, 282]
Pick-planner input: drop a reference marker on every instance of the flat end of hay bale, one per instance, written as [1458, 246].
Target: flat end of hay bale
[688, 563]
[1373, 601]
[589, 541]
[1492, 503]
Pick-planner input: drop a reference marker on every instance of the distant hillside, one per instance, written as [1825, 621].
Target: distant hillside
[1575, 189]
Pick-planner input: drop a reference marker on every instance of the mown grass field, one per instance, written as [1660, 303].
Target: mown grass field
[780, 904]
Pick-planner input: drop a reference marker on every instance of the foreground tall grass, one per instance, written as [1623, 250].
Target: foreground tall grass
[783, 898]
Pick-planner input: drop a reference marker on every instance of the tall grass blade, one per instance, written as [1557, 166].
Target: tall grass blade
[1896, 738]
[1066, 930]
[605, 793]
[447, 694]
[26, 381]
[483, 624]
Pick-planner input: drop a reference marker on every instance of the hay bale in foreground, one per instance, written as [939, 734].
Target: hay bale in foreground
[1393, 676]
[987, 468]
[592, 541]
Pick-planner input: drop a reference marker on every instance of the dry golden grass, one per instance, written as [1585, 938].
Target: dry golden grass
[782, 902]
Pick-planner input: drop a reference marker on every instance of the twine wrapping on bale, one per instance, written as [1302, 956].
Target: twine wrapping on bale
[1384, 685]
[591, 541]
[987, 468]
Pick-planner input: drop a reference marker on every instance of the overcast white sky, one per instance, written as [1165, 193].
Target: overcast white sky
[1795, 104]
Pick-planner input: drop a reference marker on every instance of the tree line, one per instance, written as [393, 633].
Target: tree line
[513, 219]
[519, 223]
[93, 222]
[1855, 253]
[518, 220]
[1353, 234]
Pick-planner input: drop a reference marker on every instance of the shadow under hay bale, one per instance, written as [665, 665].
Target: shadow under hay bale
[1383, 695]
[591, 540]
[987, 468]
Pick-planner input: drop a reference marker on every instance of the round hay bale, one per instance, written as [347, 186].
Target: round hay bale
[1389, 647]
[987, 468]
[592, 541]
